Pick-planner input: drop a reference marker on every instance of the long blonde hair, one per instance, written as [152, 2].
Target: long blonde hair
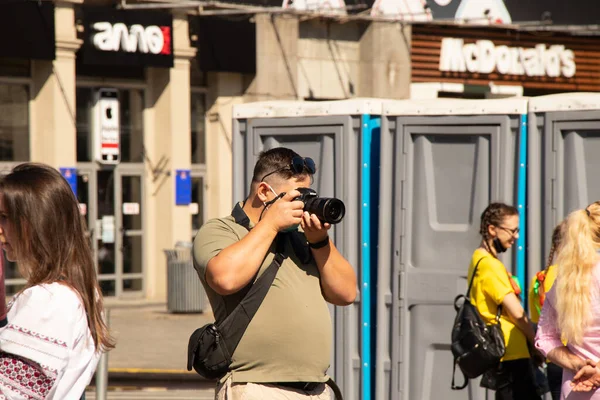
[557, 235]
[576, 258]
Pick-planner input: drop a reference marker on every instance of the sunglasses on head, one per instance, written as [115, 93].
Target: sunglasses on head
[297, 166]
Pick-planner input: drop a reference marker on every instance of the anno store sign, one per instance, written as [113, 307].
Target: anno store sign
[480, 56]
[128, 38]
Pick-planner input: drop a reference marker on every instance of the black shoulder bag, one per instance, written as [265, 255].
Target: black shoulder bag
[476, 346]
[210, 348]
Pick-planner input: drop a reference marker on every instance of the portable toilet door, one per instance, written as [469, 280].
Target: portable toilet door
[442, 162]
[564, 149]
[338, 135]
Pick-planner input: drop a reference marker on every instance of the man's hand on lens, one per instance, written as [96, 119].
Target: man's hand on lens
[285, 212]
[314, 230]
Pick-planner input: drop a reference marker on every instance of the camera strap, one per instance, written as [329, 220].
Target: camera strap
[266, 205]
[232, 328]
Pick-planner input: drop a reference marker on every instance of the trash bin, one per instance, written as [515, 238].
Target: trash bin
[185, 293]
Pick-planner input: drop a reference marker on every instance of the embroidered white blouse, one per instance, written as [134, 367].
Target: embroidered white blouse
[46, 350]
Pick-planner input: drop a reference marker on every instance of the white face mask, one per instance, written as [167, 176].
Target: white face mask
[274, 192]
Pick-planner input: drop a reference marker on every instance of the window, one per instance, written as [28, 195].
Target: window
[14, 138]
[15, 67]
[198, 128]
[198, 106]
[197, 203]
[14, 122]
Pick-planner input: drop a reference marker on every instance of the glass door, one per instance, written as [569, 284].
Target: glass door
[111, 198]
[130, 232]
[106, 238]
[115, 192]
[88, 204]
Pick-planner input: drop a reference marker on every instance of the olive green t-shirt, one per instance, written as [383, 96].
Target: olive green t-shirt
[289, 338]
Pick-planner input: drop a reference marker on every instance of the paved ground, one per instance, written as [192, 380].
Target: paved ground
[151, 351]
[154, 395]
[150, 338]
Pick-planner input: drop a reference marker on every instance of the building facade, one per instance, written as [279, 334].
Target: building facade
[134, 106]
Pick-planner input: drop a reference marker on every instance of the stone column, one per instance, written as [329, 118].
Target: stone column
[385, 67]
[168, 136]
[224, 91]
[276, 78]
[53, 130]
[276, 59]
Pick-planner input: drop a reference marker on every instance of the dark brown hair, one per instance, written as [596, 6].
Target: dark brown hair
[494, 214]
[276, 159]
[51, 245]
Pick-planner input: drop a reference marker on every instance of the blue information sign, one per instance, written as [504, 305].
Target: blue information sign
[70, 175]
[183, 187]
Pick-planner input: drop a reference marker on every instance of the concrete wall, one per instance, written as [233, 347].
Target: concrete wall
[318, 59]
[311, 59]
[276, 59]
[225, 90]
[385, 61]
[328, 60]
[167, 133]
[53, 131]
[166, 120]
[295, 60]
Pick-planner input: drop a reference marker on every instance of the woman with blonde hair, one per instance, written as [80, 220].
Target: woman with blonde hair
[55, 332]
[541, 284]
[571, 311]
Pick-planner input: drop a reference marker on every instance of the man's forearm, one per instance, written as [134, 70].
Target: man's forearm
[338, 280]
[563, 357]
[236, 265]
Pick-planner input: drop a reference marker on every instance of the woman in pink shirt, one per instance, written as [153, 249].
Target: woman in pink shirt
[572, 309]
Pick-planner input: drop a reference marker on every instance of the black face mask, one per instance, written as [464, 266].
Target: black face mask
[498, 246]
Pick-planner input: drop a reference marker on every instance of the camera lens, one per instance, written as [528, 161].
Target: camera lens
[327, 209]
[334, 211]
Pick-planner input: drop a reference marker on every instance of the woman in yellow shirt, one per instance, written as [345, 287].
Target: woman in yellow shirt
[540, 285]
[493, 286]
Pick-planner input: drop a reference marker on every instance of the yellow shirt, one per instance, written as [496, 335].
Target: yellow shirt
[490, 286]
[534, 300]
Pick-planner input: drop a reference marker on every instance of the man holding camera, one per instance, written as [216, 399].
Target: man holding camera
[284, 352]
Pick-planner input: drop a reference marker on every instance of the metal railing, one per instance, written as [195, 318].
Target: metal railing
[102, 369]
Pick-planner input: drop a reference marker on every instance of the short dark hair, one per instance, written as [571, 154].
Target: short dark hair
[277, 159]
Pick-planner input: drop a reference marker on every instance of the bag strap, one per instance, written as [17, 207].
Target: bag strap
[337, 393]
[467, 295]
[499, 310]
[465, 379]
[232, 328]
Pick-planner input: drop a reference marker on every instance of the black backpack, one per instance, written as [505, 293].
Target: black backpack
[476, 346]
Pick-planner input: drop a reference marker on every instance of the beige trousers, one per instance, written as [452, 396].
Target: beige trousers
[260, 391]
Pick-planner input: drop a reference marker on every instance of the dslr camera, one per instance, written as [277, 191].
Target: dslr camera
[327, 209]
